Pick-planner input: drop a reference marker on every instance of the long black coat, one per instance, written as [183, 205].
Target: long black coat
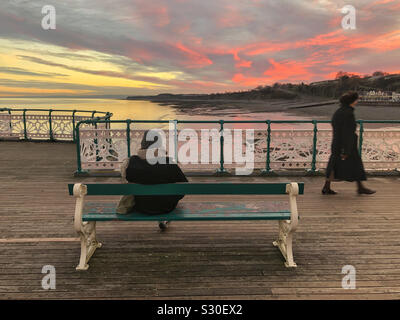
[140, 171]
[345, 142]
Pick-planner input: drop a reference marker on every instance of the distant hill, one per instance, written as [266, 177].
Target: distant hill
[322, 89]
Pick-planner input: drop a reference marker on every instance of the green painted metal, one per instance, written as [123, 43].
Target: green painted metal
[96, 144]
[9, 112]
[193, 212]
[128, 136]
[188, 189]
[58, 110]
[24, 119]
[73, 125]
[51, 126]
[221, 145]
[314, 151]
[176, 140]
[268, 162]
[78, 148]
[269, 130]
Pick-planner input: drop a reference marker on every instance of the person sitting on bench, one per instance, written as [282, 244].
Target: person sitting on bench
[140, 170]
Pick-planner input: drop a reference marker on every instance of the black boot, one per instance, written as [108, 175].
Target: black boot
[364, 190]
[327, 188]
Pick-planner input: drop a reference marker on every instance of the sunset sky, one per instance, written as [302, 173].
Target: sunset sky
[134, 47]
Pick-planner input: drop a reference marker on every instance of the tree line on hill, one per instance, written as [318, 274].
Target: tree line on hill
[333, 89]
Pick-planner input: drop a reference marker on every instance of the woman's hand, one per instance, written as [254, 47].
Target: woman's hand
[343, 156]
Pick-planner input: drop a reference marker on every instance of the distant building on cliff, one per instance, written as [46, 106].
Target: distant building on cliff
[379, 97]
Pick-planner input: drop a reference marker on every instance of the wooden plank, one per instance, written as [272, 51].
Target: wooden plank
[202, 260]
[203, 211]
[225, 188]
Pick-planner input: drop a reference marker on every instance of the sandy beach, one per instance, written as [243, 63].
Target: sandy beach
[315, 108]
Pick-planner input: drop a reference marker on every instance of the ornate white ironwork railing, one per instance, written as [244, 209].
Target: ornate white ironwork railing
[44, 124]
[307, 149]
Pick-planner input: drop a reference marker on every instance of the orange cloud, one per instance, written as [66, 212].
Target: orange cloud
[196, 59]
[287, 70]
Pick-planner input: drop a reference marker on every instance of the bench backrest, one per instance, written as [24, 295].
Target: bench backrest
[187, 188]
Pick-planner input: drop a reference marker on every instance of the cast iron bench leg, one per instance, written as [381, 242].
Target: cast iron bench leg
[288, 227]
[89, 244]
[85, 230]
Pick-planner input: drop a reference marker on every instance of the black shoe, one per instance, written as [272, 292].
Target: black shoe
[366, 191]
[328, 191]
[163, 225]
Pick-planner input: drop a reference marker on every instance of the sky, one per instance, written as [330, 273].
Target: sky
[143, 47]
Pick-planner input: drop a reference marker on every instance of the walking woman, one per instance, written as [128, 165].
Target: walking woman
[345, 162]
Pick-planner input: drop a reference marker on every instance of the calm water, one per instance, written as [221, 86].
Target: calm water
[145, 110]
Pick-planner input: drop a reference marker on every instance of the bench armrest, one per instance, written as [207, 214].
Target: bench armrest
[79, 191]
[293, 190]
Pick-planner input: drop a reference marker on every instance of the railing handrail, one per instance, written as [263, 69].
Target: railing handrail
[221, 124]
[54, 110]
[227, 121]
[53, 117]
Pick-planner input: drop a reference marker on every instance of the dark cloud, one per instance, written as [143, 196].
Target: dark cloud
[220, 42]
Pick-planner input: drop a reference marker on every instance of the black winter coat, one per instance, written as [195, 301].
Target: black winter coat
[345, 141]
[140, 171]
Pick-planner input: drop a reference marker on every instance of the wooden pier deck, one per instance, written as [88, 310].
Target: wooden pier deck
[204, 260]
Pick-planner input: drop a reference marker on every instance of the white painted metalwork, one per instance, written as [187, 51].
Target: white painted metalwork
[289, 149]
[37, 125]
[5, 125]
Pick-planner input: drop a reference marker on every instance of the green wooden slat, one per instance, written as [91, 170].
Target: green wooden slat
[70, 189]
[273, 210]
[188, 188]
[185, 217]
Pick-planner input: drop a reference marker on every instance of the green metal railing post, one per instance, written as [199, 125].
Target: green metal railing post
[176, 140]
[221, 168]
[268, 163]
[360, 142]
[24, 117]
[314, 151]
[107, 117]
[50, 126]
[10, 124]
[78, 148]
[128, 136]
[221, 139]
[73, 126]
[96, 143]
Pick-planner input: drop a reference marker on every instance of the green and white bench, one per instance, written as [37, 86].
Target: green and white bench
[87, 214]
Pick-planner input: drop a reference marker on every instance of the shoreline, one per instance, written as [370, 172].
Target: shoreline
[320, 109]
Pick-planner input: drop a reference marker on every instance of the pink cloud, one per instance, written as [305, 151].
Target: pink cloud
[195, 59]
[288, 70]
